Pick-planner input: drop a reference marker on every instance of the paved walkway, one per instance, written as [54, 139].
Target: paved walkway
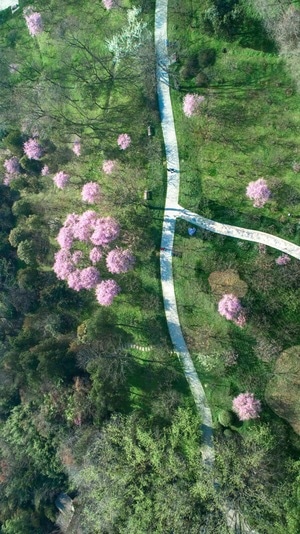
[170, 215]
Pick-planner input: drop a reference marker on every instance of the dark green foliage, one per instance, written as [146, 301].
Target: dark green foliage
[207, 57]
[31, 166]
[14, 142]
[26, 252]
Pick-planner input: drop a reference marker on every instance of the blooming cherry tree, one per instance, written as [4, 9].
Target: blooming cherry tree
[284, 259]
[119, 261]
[45, 170]
[191, 104]
[12, 165]
[124, 140]
[33, 149]
[77, 147]
[230, 307]
[90, 277]
[61, 179]
[246, 406]
[34, 22]
[90, 193]
[259, 192]
[109, 166]
[109, 4]
[106, 291]
[106, 230]
[95, 255]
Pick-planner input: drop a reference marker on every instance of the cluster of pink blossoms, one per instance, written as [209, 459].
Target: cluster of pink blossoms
[246, 406]
[259, 192]
[33, 149]
[109, 4]
[12, 165]
[77, 147]
[191, 104]
[124, 140]
[97, 232]
[90, 193]
[284, 259]
[109, 166]
[61, 179]
[34, 22]
[230, 307]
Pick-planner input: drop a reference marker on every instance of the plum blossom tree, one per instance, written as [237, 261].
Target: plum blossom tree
[246, 406]
[259, 192]
[109, 166]
[12, 165]
[106, 230]
[90, 277]
[95, 255]
[284, 259]
[191, 104]
[77, 256]
[75, 281]
[230, 307]
[109, 4]
[8, 178]
[90, 193]
[63, 265]
[106, 291]
[45, 170]
[77, 147]
[33, 149]
[124, 141]
[34, 22]
[119, 261]
[65, 237]
[61, 179]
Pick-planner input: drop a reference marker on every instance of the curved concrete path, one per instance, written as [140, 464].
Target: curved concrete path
[170, 215]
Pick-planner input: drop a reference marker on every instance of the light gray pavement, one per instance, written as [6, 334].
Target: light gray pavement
[170, 215]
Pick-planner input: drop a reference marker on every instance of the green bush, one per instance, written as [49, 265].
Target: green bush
[225, 418]
[207, 57]
[14, 142]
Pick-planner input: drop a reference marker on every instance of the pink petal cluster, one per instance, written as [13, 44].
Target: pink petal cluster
[12, 165]
[75, 281]
[106, 230]
[77, 147]
[61, 179]
[34, 23]
[63, 265]
[124, 141]
[230, 307]
[284, 259]
[191, 104]
[109, 166]
[8, 178]
[77, 256]
[109, 4]
[246, 406]
[259, 192]
[119, 261]
[106, 291]
[45, 170]
[95, 255]
[90, 193]
[90, 277]
[33, 149]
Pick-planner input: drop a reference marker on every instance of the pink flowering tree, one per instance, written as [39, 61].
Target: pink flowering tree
[109, 4]
[191, 104]
[8, 178]
[91, 229]
[246, 406]
[109, 166]
[90, 193]
[33, 149]
[45, 171]
[259, 192]
[61, 179]
[124, 140]
[230, 307]
[284, 259]
[12, 165]
[106, 291]
[34, 22]
[119, 261]
[95, 255]
[77, 147]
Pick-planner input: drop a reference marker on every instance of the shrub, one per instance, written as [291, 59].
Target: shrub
[207, 57]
